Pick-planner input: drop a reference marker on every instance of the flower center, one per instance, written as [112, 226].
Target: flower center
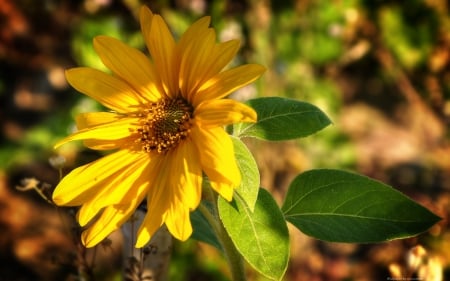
[164, 124]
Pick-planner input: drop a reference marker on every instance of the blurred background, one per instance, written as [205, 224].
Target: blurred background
[379, 69]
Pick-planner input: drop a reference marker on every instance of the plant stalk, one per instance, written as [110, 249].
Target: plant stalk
[232, 255]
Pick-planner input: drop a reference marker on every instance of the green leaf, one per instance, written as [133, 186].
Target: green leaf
[282, 119]
[339, 206]
[249, 187]
[261, 236]
[202, 229]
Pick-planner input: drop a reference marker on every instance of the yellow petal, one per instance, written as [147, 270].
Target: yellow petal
[86, 213]
[209, 62]
[178, 221]
[176, 189]
[158, 200]
[186, 174]
[148, 227]
[224, 189]
[200, 27]
[107, 145]
[110, 91]
[161, 45]
[228, 81]
[223, 112]
[194, 63]
[82, 183]
[222, 55]
[145, 17]
[196, 66]
[111, 219]
[92, 119]
[123, 187]
[156, 212]
[130, 64]
[217, 156]
[111, 131]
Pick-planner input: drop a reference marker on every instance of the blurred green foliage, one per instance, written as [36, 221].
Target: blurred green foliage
[302, 43]
[410, 37]
[188, 261]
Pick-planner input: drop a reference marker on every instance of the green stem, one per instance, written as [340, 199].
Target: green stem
[232, 255]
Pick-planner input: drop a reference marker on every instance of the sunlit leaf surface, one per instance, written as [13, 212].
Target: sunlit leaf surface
[261, 236]
[339, 206]
[282, 119]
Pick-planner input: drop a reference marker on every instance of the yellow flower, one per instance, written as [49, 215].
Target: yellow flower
[166, 124]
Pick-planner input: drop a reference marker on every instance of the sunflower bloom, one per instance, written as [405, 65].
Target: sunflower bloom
[165, 127]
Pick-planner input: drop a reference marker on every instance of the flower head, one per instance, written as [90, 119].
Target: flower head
[165, 125]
